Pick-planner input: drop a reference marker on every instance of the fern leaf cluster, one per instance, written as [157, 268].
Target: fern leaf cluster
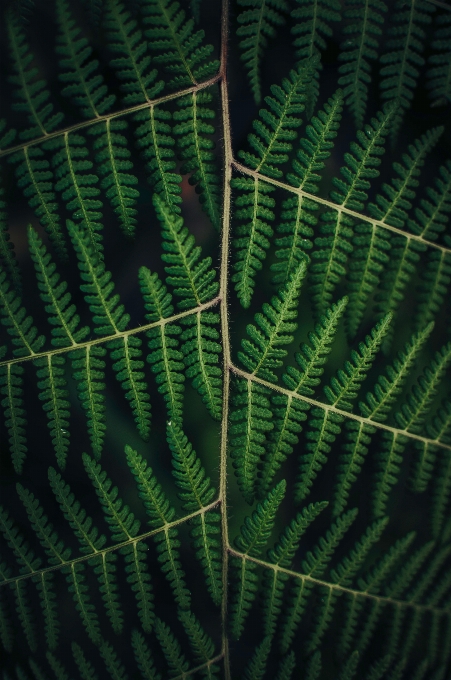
[225, 426]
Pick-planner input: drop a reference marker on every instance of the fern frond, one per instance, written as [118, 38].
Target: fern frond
[379, 668]
[252, 540]
[196, 493]
[84, 84]
[311, 31]
[35, 178]
[262, 353]
[417, 405]
[201, 643]
[160, 513]
[286, 667]
[369, 257]
[257, 24]
[143, 657]
[62, 315]
[275, 132]
[324, 427]
[123, 527]
[77, 185]
[114, 165]
[172, 651]
[361, 46]
[373, 582]
[179, 48]
[57, 667]
[126, 354]
[314, 564]
[201, 351]
[347, 569]
[380, 402]
[154, 137]
[24, 336]
[433, 289]
[330, 256]
[114, 667]
[8, 257]
[131, 61]
[195, 146]
[252, 238]
[442, 487]
[250, 420]
[439, 75]
[53, 393]
[297, 212]
[403, 56]
[282, 554]
[88, 367]
[165, 358]
[288, 414]
[108, 315]
[349, 668]
[256, 668]
[7, 136]
[344, 388]
[388, 466]
[90, 543]
[193, 281]
[59, 555]
[358, 439]
[432, 216]
[85, 669]
[11, 388]
[32, 94]
[29, 563]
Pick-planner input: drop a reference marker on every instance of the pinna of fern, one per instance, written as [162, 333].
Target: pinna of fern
[271, 143]
[439, 75]
[296, 227]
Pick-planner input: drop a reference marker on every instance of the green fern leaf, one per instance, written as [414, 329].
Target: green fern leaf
[62, 314]
[24, 335]
[32, 94]
[90, 543]
[196, 149]
[257, 24]
[196, 494]
[442, 487]
[358, 439]
[57, 667]
[112, 663]
[36, 181]
[276, 323]
[298, 220]
[58, 554]
[330, 256]
[7, 137]
[84, 667]
[360, 46]
[256, 668]
[403, 57]
[252, 240]
[11, 387]
[172, 651]
[84, 85]
[201, 644]
[154, 136]
[77, 186]
[380, 402]
[252, 539]
[165, 358]
[113, 163]
[178, 47]
[132, 60]
[349, 668]
[161, 514]
[53, 393]
[250, 420]
[431, 218]
[310, 31]
[282, 555]
[439, 75]
[123, 527]
[286, 667]
[344, 388]
[7, 255]
[107, 314]
[193, 281]
[314, 565]
[143, 657]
